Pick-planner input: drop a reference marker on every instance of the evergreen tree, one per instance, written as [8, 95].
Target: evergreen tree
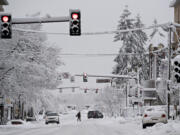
[132, 42]
[143, 59]
[126, 37]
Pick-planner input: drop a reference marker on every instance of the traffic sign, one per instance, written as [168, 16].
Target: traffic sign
[103, 80]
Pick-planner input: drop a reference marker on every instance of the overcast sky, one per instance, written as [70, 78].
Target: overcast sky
[97, 15]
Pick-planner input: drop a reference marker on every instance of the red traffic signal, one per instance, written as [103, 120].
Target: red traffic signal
[75, 23]
[5, 18]
[97, 90]
[85, 90]
[85, 79]
[75, 16]
[5, 28]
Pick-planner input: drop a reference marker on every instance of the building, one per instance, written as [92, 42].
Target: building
[155, 60]
[176, 5]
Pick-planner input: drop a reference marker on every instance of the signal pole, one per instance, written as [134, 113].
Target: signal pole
[39, 20]
[169, 73]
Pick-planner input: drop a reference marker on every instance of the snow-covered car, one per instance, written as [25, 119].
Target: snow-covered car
[30, 119]
[52, 118]
[45, 114]
[16, 122]
[152, 116]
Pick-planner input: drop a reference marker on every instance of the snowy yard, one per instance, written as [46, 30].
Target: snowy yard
[106, 126]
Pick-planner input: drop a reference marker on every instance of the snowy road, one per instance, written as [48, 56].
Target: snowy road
[86, 127]
[105, 126]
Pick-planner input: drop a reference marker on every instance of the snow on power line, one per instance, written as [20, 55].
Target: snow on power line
[96, 33]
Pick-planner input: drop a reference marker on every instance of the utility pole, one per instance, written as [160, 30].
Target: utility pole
[138, 89]
[126, 93]
[19, 113]
[20, 106]
[169, 72]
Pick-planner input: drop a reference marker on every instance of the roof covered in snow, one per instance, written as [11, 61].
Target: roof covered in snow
[174, 2]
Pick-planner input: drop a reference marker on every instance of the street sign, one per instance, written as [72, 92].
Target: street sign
[103, 80]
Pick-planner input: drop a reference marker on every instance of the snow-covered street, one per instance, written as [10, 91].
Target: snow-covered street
[106, 126]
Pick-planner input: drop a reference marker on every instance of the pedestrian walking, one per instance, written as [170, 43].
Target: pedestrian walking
[78, 115]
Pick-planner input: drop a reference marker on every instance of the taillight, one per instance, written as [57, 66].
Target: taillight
[163, 115]
[145, 115]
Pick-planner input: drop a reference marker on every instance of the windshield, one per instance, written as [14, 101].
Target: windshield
[52, 114]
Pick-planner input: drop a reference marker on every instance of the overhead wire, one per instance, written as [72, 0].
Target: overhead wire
[94, 33]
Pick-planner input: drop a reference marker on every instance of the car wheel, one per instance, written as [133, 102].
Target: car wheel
[58, 122]
[144, 126]
[46, 123]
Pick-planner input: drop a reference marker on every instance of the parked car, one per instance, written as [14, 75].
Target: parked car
[16, 122]
[94, 114]
[45, 114]
[30, 119]
[52, 117]
[152, 116]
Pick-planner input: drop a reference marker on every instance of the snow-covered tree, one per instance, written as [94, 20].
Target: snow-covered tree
[131, 42]
[112, 101]
[28, 65]
[143, 59]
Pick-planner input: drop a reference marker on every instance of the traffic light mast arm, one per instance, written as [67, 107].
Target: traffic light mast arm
[109, 76]
[39, 20]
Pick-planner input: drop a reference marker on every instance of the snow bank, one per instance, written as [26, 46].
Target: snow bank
[171, 128]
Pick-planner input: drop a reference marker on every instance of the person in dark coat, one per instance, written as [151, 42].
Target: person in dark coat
[78, 116]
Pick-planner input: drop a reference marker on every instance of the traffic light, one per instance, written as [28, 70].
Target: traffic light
[72, 79]
[85, 77]
[177, 70]
[140, 92]
[60, 90]
[5, 26]
[136, 93]
[97, 90]
[75, 23]
[85, 90]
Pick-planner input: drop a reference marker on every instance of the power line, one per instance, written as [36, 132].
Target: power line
[84, 54]
[99, 54]
[96, 33]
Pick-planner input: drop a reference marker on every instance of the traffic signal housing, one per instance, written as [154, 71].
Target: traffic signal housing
[136, 92]
[72, 79]
[75, 23]
[85, 90]
[6, 26]
[85, 78]
[96, 90]
[177, 70]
